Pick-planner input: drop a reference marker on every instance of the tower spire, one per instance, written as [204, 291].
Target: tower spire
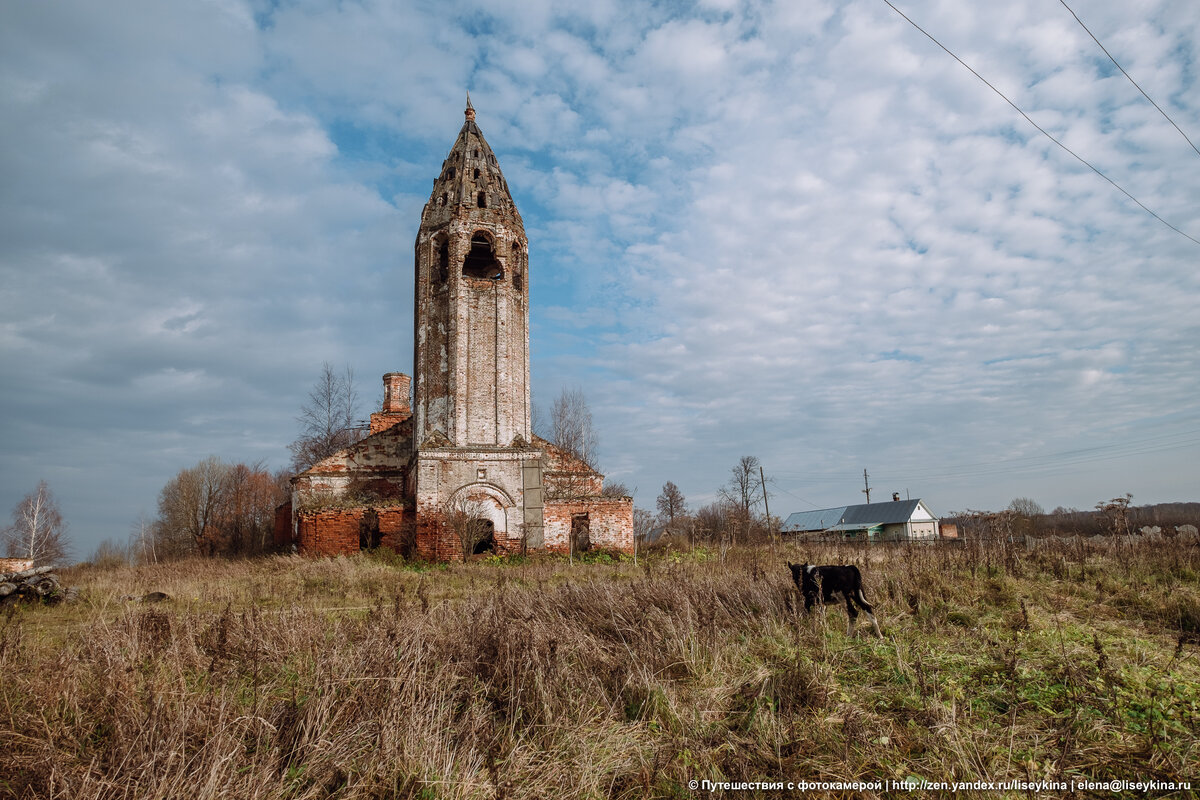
[470, 110]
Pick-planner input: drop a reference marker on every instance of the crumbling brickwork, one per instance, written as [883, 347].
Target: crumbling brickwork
[471, 278]
[609, 523]
[340, 531]
[466, 440]
[396, 409]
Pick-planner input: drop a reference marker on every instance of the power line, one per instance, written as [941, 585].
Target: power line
[1043, 131]
[1034, 463]
[798, 497]
[1130, 77]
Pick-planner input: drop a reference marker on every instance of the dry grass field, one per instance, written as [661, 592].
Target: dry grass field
[368, 678]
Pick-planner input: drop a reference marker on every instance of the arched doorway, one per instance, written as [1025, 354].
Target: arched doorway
[476, 518]
[483, 534]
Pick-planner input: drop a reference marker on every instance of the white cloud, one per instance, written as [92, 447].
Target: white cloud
[803, 233]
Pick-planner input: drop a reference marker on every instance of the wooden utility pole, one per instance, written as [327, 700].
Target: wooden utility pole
[763, 479]
[866, 491]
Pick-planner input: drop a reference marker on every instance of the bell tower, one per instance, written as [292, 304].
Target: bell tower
[471, 358]
[471, 425]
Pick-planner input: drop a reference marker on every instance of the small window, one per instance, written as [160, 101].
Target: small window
[481, 201]
[477, 173]
[443, 262]
[477, 154]
[450, 173]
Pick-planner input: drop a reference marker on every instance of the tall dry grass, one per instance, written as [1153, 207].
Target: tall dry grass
[355, 678]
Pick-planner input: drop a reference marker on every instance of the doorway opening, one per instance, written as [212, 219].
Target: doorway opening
[483, 533]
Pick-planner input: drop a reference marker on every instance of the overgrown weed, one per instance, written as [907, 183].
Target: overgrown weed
[371, 677]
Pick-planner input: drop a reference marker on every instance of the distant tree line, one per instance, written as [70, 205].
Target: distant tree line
[212, 508]
[1117, 516]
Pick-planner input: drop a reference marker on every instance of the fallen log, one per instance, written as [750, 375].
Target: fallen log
[37, 584]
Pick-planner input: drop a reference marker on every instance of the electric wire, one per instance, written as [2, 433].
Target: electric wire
[1043, 131]
[1038, 464]
[1130, 77]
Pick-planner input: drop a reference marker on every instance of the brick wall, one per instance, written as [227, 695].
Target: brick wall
[336, 531]
[434, 541]
[398, 529]
[332, 532]
[610, 522]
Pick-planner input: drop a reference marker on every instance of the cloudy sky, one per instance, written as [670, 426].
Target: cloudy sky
[798, 230]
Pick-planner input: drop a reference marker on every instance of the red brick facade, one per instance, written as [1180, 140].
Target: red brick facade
[339, 531]
[609, 521]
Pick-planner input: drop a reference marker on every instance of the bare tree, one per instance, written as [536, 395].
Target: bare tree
[671, 503]
[214, 508]
[571, 424]
[538, 422]
[744, 489]
[1026, 507]
[111, 553]
[328, 419]
[143, 534]
[189, 505]
[715, 519]
[468, 519]
[246, 517]
[38, 531]
[643, 525]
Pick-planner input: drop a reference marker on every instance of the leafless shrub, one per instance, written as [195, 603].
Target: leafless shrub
[468, 519]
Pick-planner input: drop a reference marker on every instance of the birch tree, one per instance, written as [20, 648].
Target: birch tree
[38, 531]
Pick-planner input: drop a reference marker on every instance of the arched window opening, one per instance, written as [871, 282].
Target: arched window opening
[481, 260]
[477, 173]
[443, 262]
[477, 154]
[483, 533]
[481, 201]
[450, 173]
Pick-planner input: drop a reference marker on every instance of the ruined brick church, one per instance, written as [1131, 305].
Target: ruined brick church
[465, 439]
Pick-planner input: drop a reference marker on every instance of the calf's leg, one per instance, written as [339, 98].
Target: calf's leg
[861, 599]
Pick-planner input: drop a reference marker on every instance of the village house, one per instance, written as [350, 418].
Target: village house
[894, 521]
[456, 438]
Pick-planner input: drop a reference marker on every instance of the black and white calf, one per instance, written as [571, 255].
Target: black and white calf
[834, 584]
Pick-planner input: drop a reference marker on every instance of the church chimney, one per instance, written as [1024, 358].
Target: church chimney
[395, 393]
[396, 406]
